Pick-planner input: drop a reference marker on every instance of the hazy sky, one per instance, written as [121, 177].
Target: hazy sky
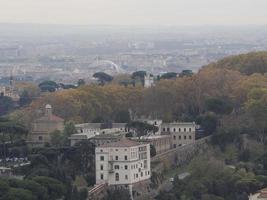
[135, 12]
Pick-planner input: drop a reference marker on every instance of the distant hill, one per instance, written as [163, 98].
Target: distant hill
[255, 62]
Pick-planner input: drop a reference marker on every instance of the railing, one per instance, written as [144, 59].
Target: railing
[97, 189]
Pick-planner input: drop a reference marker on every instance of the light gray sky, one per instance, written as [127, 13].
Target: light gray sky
[135, 12]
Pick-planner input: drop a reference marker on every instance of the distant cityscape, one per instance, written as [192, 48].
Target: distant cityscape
[66, 54]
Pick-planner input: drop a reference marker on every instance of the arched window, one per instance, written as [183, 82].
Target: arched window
[117, 177]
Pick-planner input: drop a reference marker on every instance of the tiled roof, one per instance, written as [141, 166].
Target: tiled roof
[50, 118]
[121, 143]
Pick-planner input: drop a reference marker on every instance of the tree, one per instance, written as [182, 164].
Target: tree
[103, 78]
[122, 194]
[122, 116]
[24, 98]
[142, 128]
[219, 105]
[6, 105]
[81, 82]
[19, 194]
[208, 122]
[139, 76]
[54, 187]
[48, 86]
[169, 75]
[186, 72]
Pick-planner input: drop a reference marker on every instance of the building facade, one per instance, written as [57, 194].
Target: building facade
[181, 133]
[122, 163]
[260, 195]
[44, 126]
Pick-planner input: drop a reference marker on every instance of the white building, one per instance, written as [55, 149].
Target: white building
[182, 133]
[260, 195]
[122, 163]
[148, 81]
[93, 129]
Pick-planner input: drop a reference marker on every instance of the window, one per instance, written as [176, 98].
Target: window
[179, 129]
[101, 158]
[101, 176]
[136, 175]
[168, 129]
[101, 150]
[174, 130]
[125, 158]
[174, 137]
[126, 177]
[141, 174]
[184, 129]
[40, 138]
[180, 137]
[116, 157]
[163, 129]
[126, 167]
[116, 167]
[101, 167]
[190, 137]
[116, 149]
[117, 177]
[185, 137]
[148, 172]
[174, 146]
[190, 129]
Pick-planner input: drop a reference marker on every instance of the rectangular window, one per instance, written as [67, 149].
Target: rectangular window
[184, 129]
[190, 129]
[125, 158]
[185, 137]
[190, 137]
[116, 167]
[101, 167]
[126, 177]
[126, 167]
[117, 158]
[180, 137]
[102, 158]
[101, 176]
[141, 174]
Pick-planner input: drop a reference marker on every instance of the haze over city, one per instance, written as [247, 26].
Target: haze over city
[137, 12]
[133, 100]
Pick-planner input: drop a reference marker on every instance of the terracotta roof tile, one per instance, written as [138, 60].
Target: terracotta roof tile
[121, 143]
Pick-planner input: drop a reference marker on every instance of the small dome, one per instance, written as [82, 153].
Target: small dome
[48, 106]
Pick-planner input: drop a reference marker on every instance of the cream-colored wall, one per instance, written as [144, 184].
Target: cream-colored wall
[134, 165]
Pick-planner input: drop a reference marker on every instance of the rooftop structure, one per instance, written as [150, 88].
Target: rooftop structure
[43, 126]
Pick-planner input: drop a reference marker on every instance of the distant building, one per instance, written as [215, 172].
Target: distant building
[148, 81]
[42, 127]
[10, 91]
[5, 172]
[181, 133]
[260, 195]
[93, 129]
[162, 143]
[122, 163]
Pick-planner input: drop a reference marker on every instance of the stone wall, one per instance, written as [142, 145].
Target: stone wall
[181, 155]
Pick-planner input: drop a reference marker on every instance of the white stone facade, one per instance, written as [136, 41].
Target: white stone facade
[124, 162]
